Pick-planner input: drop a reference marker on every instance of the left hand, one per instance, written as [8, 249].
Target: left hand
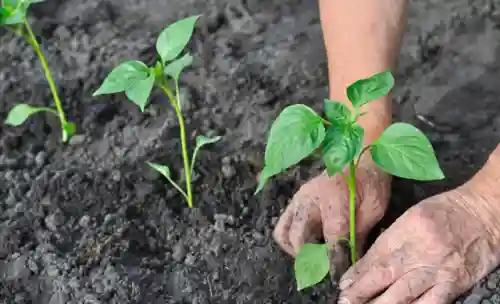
[434, 253]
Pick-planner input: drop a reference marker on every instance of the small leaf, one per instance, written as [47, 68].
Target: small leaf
[139, 91]
[19, 113]
[15, 15]
[175, 37]
[336, 111]
[205, 140]
[311, 265]
[69, 128]
[370, 89]
[123, 77]
[341, 145]
[297, 132]
[404, 151]
[175, 68]
[162, 169]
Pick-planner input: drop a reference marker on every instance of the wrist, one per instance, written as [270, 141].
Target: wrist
[484, 192]
[487, 180]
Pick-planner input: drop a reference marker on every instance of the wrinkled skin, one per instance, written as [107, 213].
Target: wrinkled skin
[321, 209]
[433, 253]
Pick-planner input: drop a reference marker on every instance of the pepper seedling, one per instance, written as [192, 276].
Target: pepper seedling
[13, 16]
[401, 150]
[137, 80]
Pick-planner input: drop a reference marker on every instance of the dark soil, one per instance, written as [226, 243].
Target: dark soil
[90, 223]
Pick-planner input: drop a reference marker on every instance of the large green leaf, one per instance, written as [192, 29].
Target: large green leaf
[404, 151]
[295, 134]
[370, 89]
[175, 37]
[336, 111]
[19, 113]
[342, 144]
[311, 265]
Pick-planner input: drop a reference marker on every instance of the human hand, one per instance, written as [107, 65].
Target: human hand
[433, 253]
[321, 208]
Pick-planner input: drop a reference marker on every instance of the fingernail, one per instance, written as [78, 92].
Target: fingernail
[344, 284]
[343, 301]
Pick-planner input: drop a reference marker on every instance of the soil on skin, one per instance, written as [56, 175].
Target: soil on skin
[90, 223]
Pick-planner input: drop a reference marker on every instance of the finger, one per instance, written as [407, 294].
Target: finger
[407, 288]
[369, 283]
[281, 231]
[374, 254]
[305, 226]
[339, 258]
[439, 294]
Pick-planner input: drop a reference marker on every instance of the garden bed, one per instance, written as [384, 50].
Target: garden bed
[89, 222]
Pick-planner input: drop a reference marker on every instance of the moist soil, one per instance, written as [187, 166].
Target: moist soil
[88, 222]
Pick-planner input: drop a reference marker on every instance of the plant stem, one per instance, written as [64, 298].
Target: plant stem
[48, 75]
[352, 212]
[187, 170]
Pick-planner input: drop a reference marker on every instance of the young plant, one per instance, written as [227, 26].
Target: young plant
[137, 80]
[401, 150]
[13, 18]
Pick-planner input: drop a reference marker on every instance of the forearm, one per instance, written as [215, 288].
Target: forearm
[362, 37]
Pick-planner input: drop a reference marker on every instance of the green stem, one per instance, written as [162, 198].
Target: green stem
[177, 187]
[360, 155]
[352, 212]
[48, 75]
[187, 170]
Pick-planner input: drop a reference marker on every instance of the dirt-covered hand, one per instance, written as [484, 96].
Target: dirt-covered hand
[436, 251]
[321, 209]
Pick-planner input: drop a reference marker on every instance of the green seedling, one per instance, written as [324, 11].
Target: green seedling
[137, 81]
[401, 150]
[13, 18]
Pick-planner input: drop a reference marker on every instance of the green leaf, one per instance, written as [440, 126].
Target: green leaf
[341, 145]
[336, 111]
[162, 169]
[404, 151]
[311, 265]
[175, 37]
[34, 1]
[19, 113]
[264, 176]
[370, 89]
[139, 91]
[205, 140]
[69, 128]
[295, 134]
[200, 142]
[123, 77]
[15, 15]
[11, 3]
[175, 68]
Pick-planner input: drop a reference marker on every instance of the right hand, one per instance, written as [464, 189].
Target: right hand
[321, 209]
